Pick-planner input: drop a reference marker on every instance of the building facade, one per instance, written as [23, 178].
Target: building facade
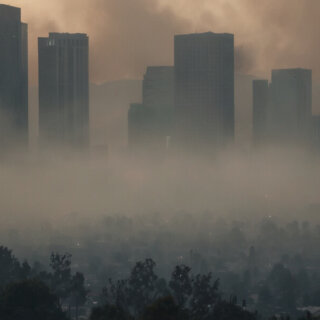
[158, 96]
[290, 110]
[282, 109]
[13, 78]
[204, 91]
[64, 90]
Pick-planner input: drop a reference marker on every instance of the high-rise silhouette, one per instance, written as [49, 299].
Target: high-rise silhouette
[282, 110]
[150, 122]
[64, 90]
[204, 90]
[13, 78]
[291, 104]
[158, 96]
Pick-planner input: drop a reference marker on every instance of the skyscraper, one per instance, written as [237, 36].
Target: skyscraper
[64, 90]
[13, 78]
[150, 122]
[260, 110]
[158, 96]
[282, 110]
[291, 104]
[204, 90]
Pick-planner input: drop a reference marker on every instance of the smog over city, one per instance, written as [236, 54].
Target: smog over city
[159, 159]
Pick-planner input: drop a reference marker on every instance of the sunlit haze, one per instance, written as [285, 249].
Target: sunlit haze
[125, 36]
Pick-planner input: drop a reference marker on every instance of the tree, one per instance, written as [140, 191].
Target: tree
[142, 288]
[192, 294]
[29, 300]
[9, 267]
[78, 292]
[116, 294]
[181, 284]
[224, 310]
[69, 288]
[61, 276]
[142, 284]
[164, 309]
[109, 312]
[204, 295]
[25, 271]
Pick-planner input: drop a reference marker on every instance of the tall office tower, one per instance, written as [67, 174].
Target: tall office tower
[260, 109]
[204, 90]
[13, 78]
[158, 96]
[64, 90]
[291, 105]
[139, 127]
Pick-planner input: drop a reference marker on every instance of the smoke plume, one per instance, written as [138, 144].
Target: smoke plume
[127, 35]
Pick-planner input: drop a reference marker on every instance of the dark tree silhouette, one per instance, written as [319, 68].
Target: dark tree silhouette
[116, 293]
[164, 309]
[29, 300]
[204, 295]
[69, 288]
[109, 313]
[142, 285]
[78, 293]
[9, 267]
[224, 310]
[61, 276]
[136, 292]
[181, 284]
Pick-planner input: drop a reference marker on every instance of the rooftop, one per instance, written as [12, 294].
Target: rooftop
[291, 70]
[205, 35]
[8, 6]
[57, 35]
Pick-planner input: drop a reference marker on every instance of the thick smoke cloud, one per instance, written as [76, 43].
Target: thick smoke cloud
[127, 35]
[273, 34]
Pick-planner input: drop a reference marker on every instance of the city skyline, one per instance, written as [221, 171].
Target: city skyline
[204, 88]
